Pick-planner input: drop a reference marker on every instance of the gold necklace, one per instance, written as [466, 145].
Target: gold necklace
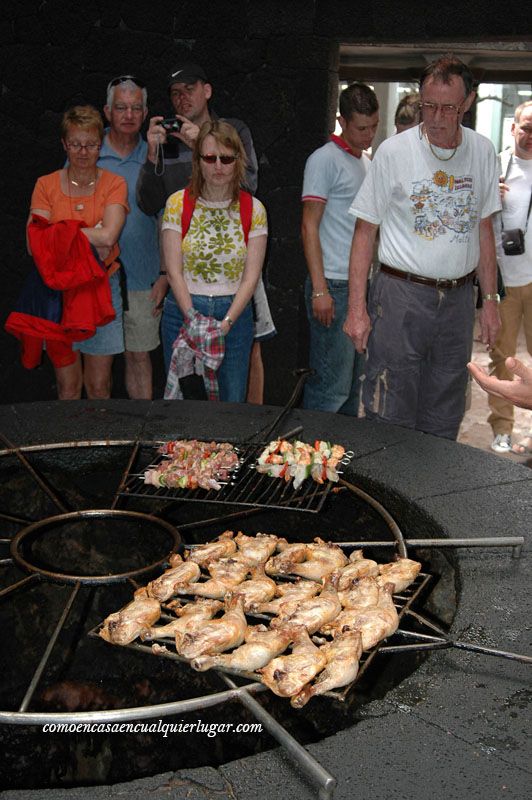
[434, 153]
[79, 206]
[82, 185]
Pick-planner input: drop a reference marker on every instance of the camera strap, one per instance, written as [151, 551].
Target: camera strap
[510, 160]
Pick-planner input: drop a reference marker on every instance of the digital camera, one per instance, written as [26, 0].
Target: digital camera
[172, 125]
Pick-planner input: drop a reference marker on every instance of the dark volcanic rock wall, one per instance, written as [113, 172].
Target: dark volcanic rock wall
[272, 63]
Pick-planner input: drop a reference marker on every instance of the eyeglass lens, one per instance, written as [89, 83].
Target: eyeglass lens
[446, 108]
[78, 146]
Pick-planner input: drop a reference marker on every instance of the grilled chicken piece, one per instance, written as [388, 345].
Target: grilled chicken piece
[374, 622]
[222, 547]
[401, 573]
[358, 567]
[125, 625]
[314, 612]
[360, 594]
[256, 550]
[258, 590]
[217, 635]
[287, 675]
[181, 572]
[191, 617]
[343, 655]
[291, 594]
[227, 573]
[288, 557]
[322, 559]
[262, 644]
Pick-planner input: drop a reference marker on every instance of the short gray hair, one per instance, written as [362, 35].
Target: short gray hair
[130, 86]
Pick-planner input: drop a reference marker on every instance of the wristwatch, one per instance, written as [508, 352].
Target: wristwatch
[229, 321]
[494, 296]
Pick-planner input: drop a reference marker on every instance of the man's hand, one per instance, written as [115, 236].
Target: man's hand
[503, 188]
[490, 323]
[323, 309]
[518, 391]
[188, 133]
[157, 294]
[357, 326]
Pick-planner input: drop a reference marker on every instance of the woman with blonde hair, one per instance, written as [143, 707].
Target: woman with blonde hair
[214, 242]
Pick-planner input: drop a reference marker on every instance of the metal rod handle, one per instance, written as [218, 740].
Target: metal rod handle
[319, 776]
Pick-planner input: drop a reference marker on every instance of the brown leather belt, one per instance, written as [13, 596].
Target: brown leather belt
[438, 283]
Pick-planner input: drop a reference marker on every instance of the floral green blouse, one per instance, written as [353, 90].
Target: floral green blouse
[214, 250]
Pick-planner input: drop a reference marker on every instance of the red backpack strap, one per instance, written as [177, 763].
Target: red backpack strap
[189, 204]
[246, 213]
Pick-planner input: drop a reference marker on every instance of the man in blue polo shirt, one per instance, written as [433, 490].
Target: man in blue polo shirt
[124, 151]
[333, 176]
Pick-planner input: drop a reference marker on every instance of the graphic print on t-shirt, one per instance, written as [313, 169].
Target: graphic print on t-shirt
[444, 205]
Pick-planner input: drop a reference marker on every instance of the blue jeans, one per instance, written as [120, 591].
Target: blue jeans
[338, 367]
[233, 372]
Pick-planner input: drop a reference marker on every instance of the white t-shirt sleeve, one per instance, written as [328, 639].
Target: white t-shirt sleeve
[317, 178]
[492, 201]
[372, 197]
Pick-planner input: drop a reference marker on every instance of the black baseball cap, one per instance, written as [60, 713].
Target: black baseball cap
[187, 73]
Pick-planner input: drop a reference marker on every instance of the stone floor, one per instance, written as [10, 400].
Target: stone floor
[475, 430]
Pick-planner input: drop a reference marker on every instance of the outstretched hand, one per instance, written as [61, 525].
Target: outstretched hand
[518, 391]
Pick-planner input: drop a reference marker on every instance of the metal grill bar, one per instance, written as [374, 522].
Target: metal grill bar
[443, 638]
[319, 776]
[17, 585]
[46, 655]
[36, 477]
[131, 461]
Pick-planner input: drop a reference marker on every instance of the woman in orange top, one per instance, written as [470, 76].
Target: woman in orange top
[83, 191]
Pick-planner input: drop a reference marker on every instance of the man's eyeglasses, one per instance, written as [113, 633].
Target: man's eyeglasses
[447, 109]
[123, 79]
[77, 146]
[121, 108]
[210, 158]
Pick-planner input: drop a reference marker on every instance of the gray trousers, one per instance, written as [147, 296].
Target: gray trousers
[420, 343]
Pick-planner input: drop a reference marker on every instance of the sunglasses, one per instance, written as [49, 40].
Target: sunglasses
[211, 159]
[123, 79]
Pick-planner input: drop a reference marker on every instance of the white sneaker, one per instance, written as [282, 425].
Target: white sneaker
[502, 443]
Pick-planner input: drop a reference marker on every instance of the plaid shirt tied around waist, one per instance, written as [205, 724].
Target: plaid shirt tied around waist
[199, 349]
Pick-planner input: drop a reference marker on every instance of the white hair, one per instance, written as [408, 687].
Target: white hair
[130, 86]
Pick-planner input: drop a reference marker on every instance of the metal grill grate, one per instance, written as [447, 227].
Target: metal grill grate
[247, 487]
[402, 601]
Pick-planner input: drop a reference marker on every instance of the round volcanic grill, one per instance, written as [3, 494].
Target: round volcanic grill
[70, 570]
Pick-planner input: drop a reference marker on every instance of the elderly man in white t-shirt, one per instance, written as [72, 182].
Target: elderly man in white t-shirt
[432, 191]
[516, 270]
